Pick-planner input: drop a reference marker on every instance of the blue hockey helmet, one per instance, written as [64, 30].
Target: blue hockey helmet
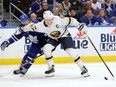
[24, 17]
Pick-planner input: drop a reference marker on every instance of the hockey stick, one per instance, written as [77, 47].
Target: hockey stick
[39, 55]
[99, 54]
[22, 65]
[27, 62]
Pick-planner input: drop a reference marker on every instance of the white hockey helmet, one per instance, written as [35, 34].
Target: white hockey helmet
[48, 15]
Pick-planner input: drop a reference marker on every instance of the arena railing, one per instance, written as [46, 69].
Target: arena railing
[11, 6]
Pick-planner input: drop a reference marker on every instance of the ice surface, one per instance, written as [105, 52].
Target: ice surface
[66, 75]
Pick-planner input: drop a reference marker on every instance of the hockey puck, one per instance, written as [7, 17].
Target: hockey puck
[106, 78]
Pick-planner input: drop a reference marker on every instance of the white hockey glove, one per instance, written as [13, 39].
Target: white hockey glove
[4, 45]
[82, 28]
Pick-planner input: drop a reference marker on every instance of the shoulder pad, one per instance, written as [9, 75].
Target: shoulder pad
[20, 29]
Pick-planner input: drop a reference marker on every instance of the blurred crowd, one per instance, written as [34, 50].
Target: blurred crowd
[90, 12]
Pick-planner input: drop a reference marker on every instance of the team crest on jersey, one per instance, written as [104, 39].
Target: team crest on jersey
[55, 33]
[33, 39]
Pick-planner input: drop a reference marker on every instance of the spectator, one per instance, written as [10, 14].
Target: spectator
[33, 18]
[113, 16]
[3, 22]
[104, 20]
[59, 10]
[96, 5]
[56, 12]
[114, 12]
[23, 6]
[78, 5]
[35, 6]
[88, 5]
[66, 5]
[72, 13]
[90, 19]
[44, 8]
[108, 6]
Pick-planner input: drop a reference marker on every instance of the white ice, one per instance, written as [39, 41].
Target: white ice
[66, 75]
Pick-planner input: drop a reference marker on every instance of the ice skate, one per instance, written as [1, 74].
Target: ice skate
[20, 72]
[84, 72]
[16, 72]
[50, 72]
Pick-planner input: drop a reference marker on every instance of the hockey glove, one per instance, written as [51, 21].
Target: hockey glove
[4, 45]
[82, 28]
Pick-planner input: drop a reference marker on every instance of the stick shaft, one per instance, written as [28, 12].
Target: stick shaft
[99, 54]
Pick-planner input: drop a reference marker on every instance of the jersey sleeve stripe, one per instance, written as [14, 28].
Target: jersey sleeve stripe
[14, 38]
[69, 21]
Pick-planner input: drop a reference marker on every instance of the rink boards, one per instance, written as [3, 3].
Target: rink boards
[104, 39]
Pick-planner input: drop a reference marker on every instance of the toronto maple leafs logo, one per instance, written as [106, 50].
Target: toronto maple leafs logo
[33, 39]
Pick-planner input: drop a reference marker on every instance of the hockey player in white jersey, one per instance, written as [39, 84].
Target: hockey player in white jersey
[55, 28]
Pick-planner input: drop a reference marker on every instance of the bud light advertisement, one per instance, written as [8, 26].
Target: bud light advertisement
[108, 41]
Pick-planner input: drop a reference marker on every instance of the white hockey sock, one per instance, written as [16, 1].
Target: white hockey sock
[50, 61]
[72, 53]
[79, 62]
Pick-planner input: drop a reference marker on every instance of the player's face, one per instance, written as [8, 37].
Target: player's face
[26, 22]
[48, 21]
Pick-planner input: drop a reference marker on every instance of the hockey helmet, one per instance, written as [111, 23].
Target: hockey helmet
[24, 17]
[48, 15]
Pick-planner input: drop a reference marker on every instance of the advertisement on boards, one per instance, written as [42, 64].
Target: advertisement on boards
[104, 39]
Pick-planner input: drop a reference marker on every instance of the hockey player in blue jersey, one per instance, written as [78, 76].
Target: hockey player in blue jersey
[38, 41]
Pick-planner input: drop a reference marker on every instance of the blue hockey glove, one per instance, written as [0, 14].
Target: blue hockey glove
[4, 45]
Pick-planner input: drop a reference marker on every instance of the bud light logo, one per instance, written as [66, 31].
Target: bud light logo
[78, 44]
[79, 41]
[108, 41]
[27, 44]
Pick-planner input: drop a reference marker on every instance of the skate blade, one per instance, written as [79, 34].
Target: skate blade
[21, 75]
[86, 75]
[50, 75]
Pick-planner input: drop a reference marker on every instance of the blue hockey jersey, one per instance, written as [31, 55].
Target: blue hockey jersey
[35, 37]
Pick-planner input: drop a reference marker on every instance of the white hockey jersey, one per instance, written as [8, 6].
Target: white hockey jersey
[29, 27]
[58, 27]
